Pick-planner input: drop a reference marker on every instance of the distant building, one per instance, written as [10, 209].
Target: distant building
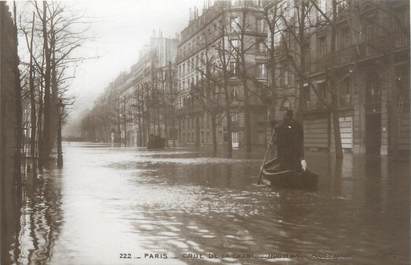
[146, 101]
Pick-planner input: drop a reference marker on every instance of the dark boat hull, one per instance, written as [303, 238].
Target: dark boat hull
[289, 178]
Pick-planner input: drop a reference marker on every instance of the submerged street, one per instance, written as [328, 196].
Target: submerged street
[112, 205]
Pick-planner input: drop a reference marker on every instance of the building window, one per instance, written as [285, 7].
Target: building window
[399, 26]
[345, 93]
[233, 68]
[262, 71]
[235, 24]
[307, 95]
[371, 32]
[234, 93]
[373, 94]
[402, 83]
[235, 44]
[234, 116]
[343, 40]
[290, 76]
[260, 26]
[322, 93]
[286, 74]
[282, 76]
[322, 46]
[260, 46]
[341, 6]
[235, 136]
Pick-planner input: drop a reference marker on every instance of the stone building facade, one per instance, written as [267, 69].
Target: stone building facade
[140, 102]
[146, 100]
[202, 40]
[8, 127]
[175, 89]
[373, 80]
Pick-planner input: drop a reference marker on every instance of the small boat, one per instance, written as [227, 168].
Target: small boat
[286, 178]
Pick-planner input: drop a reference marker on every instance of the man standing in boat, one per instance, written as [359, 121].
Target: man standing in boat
[290, 144]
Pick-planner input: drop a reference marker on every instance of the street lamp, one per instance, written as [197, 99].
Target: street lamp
[60, 111]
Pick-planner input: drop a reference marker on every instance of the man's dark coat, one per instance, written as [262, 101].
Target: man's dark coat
[290, 144]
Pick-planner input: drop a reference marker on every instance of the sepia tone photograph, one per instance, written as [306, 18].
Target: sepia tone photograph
[190, 132]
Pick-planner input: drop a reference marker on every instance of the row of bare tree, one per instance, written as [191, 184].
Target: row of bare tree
[285, 35]
[36, 59]
[50, 34]
[290, 26]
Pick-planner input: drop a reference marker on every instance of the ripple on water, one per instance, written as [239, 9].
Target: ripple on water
[108, 198]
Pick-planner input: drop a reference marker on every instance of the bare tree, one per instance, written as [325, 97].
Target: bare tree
[51, 40]
[242, 43]
[224, 56]
[295, 44]
[206, 92]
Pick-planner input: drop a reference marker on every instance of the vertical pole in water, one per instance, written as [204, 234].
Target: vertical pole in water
[268, 148]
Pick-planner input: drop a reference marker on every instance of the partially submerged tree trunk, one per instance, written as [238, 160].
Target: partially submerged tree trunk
[33, 119]
[46, 143]
[214, 132]
[19, 120]
[334, 85]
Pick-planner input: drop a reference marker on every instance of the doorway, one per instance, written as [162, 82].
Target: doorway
[373, 133]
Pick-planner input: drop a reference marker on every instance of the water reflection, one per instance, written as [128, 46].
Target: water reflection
[39, 221]
[200, 210]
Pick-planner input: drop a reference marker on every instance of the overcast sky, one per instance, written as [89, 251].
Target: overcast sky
[121, 28]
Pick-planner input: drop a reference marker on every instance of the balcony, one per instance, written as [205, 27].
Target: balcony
[366, 49]
[314, 106]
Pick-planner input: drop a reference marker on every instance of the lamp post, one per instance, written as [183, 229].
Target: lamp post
[60, 110]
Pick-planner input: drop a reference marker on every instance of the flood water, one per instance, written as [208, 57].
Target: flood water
[112, 205]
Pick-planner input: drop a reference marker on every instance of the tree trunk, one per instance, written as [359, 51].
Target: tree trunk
[337, 133]
[46, 146]
[33, 113]
[229, 132]
[19, 130]
[214, 132]
[333, 85]
[228, 118]
[301, 81]
[54, 117]
[247, 121]
[40, 118]
[394, 112]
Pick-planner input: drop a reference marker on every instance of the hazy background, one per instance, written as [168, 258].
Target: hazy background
[119, 30]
